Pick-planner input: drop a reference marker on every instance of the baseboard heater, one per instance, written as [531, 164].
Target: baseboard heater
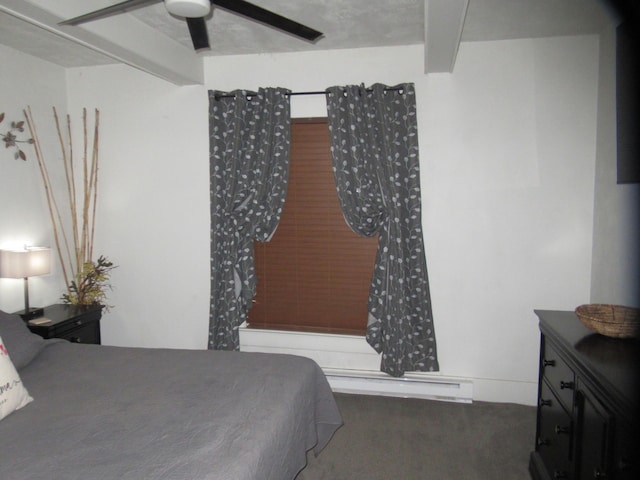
[411, 385]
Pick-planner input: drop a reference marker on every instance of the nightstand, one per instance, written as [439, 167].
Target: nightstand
[76, 323]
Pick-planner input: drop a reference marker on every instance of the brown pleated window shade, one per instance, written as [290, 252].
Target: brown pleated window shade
[314, 274]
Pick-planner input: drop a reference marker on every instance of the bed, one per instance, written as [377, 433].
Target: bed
[103, 412]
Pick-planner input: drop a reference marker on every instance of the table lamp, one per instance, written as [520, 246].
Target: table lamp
[29, 262]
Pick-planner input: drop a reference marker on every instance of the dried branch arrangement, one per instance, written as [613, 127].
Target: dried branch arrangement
[86, 280]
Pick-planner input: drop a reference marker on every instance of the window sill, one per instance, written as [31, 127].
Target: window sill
[306, 329]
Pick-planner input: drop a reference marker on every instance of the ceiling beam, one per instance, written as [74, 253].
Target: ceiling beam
[443, 22]
[122, 37]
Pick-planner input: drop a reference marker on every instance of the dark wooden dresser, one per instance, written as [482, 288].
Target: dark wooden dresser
[76, 323]
[587, 423]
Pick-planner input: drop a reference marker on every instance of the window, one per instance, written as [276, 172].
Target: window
[314, 274]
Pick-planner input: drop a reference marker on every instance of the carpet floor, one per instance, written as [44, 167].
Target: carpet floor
[387, 438]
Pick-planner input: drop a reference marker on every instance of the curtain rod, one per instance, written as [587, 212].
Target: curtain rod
[290, 94]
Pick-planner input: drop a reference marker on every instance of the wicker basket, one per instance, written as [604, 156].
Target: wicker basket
[614, 321]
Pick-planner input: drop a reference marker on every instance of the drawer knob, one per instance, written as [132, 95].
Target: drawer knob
[624, 464]
[545, 403]
[597, 473]
[542, 441]
[566, 385]
[559, 474]
[560, 429]
[75, 340]
[548, 363]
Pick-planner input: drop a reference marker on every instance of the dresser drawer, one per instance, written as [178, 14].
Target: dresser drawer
[626, 456]
[554, 435]
[559, 375]
[76, 323]
[594, 436]
[83, 333]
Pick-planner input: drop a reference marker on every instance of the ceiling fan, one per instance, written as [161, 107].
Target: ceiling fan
[194, 11]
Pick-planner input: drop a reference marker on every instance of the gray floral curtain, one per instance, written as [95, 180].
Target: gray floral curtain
[374, 145]
[249, 141]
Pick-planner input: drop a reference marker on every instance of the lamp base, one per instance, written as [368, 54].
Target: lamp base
[31, 313]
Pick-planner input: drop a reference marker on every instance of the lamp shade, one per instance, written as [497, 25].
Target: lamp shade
[30, 262]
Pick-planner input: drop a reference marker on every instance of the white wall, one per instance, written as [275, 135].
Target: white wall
[616, 257]
[153, 215]
[509, 195]
[507, 152]
[24, 219]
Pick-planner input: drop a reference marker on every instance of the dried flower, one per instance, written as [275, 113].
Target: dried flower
[11, 140]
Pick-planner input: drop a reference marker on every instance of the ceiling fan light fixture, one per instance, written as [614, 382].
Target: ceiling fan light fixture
[188, 8]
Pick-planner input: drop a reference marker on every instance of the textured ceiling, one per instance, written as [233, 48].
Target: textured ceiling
[345, 23]
[370, 23]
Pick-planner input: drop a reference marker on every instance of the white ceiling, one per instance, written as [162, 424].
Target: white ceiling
[149, 32]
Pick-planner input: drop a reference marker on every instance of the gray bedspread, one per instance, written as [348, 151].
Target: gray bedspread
[103, 412]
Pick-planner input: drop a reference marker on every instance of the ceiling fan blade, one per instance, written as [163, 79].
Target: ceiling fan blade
[111, 10]
[198, 31]
[268, 18]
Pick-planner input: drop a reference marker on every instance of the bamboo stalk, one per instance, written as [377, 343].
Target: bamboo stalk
[85, 180]
[51, 203]
[94, 176]
[68, 170]
[74, 196]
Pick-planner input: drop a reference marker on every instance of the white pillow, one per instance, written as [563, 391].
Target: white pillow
[13, 395]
